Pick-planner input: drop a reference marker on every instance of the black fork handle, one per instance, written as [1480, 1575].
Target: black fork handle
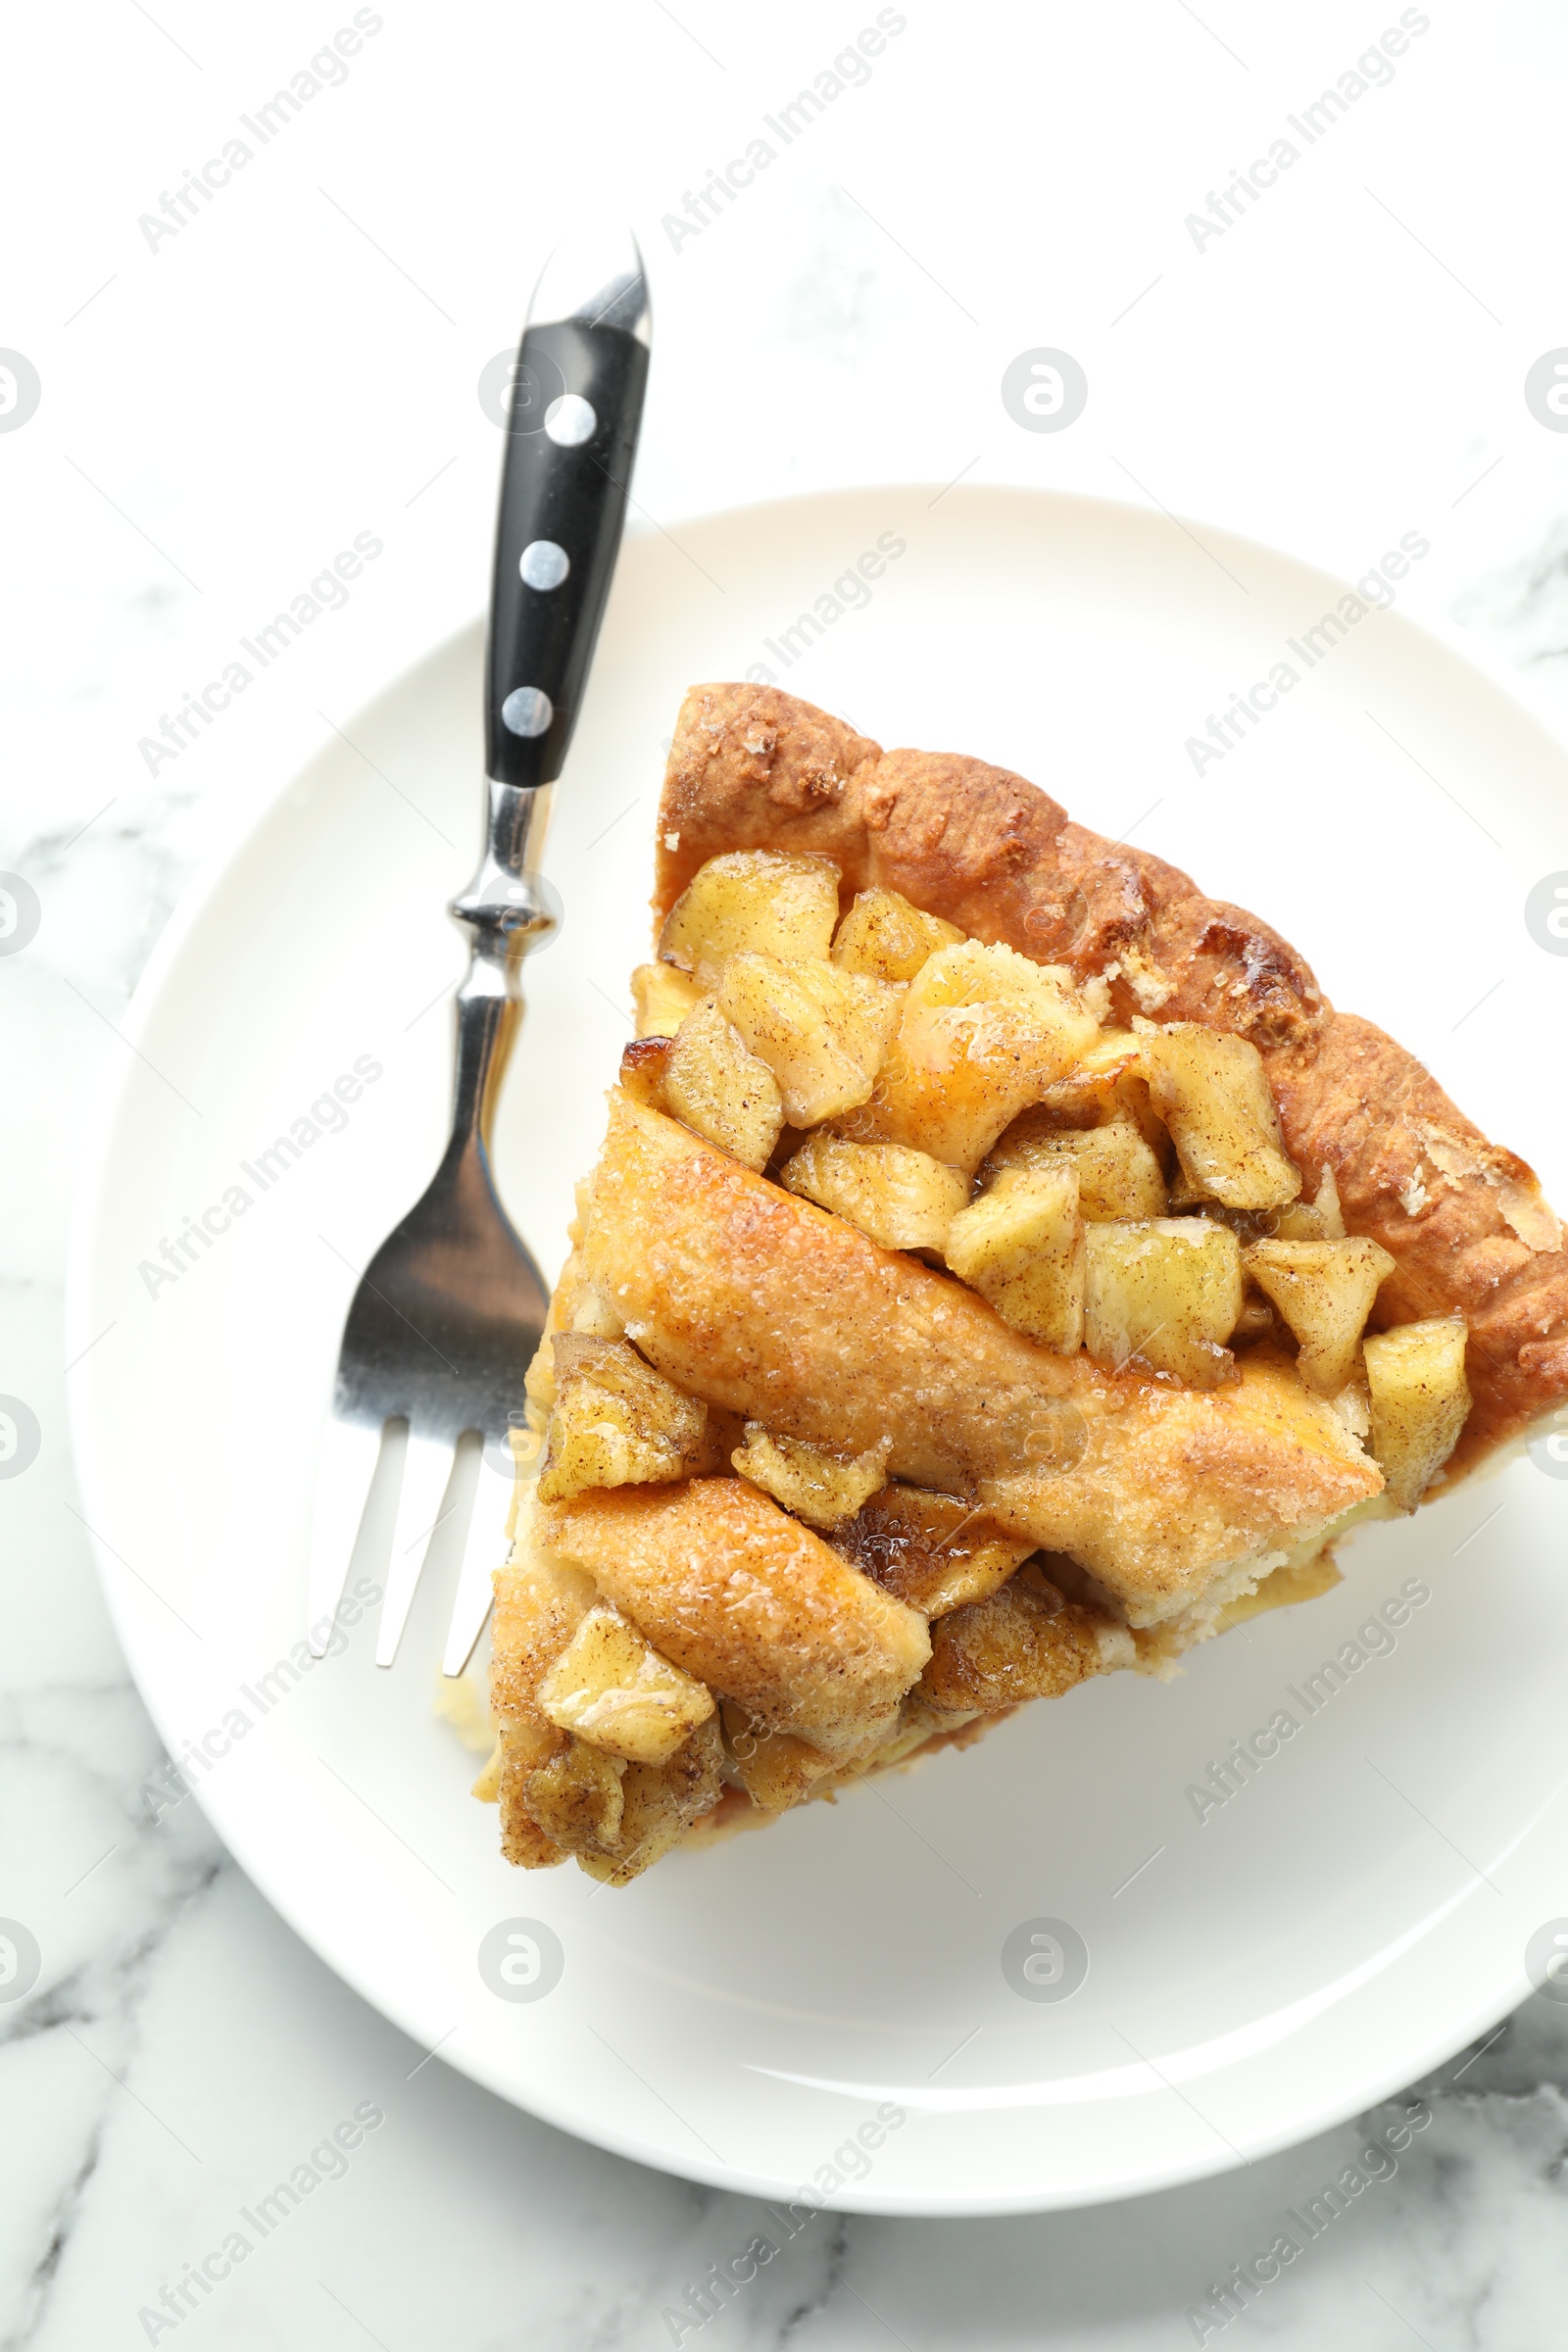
[577, 402]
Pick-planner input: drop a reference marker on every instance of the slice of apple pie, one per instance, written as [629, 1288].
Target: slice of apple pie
[1002, 1267]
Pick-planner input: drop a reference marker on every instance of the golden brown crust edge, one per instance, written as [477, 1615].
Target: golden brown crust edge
[753, 769]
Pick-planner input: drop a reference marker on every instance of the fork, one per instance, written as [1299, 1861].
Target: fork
[450, 1309]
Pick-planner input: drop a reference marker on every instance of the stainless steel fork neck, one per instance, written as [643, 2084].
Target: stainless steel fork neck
[503, 899]
[506, 915]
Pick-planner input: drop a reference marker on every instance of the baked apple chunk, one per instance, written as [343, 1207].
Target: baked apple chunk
[1002, 1268]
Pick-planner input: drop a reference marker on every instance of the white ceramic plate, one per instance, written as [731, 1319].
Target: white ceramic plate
[1349, 1918]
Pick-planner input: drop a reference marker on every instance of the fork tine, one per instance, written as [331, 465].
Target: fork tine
[344, 1471]
[483, 1554]
[426, 1472]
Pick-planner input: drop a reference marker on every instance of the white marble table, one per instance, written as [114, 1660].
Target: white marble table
[232, 382]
